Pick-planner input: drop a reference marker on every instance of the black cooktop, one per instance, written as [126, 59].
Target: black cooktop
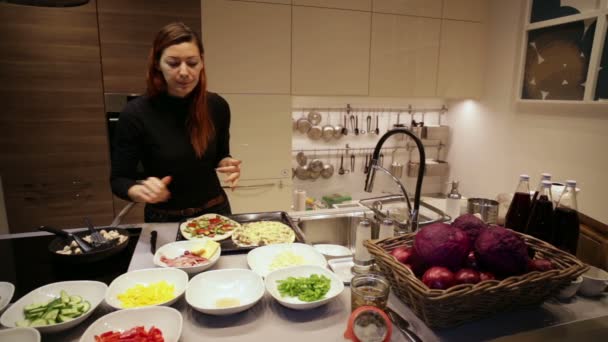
[27, 263]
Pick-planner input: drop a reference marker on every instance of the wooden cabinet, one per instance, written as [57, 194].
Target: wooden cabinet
[54, 147]
[461, 59]
[404, 54]
[248, 47]
[330, 51]
[593, 246]
[126, 31]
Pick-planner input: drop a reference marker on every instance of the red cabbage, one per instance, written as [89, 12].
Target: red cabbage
[501, 252]
[471, 225]
[440, 244]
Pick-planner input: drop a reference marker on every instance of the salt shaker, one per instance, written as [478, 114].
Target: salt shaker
[363, 260]
[453, 201]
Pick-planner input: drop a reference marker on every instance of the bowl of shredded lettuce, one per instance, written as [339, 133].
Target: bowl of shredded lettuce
[303, 287]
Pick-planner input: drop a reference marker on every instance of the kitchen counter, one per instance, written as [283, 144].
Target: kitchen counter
[269, 321]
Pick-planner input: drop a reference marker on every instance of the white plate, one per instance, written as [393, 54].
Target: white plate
[91, 291]
[261, 258]
[168, 320]
[177, 248]
[215, 238]
[146, 277]
[336, 286]
[7, 290]
[20, 335]
[205, 289]
[342, 268]
[333, 251]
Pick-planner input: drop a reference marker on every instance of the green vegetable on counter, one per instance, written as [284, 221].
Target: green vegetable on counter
[58, 310]
[307, 289]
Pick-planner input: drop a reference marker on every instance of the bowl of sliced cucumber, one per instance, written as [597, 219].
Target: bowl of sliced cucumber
[55, 307]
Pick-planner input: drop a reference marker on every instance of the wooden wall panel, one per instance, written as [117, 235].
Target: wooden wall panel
[127, 29]
[53, 141]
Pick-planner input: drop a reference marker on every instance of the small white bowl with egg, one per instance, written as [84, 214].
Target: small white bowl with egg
[147, 278]
[266, 259]
[168, 320]
[205, 247]
[336, 286]
[225, 292]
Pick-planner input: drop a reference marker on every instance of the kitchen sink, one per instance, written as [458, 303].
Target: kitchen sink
[331, 228]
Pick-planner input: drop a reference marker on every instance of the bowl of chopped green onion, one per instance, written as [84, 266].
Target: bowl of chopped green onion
[303, 287]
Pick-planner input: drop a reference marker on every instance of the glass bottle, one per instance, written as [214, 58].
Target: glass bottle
[543, 177]
[540, 223]
[519, 210]
[566, 221]
[387, 229]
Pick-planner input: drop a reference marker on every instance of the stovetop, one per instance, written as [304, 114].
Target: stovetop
[27, 263]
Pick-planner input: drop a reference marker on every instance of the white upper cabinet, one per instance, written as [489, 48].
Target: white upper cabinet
[404, 55]
[461, 59]
[247, 46]
[471, 10]
[330, 51]
[361, 5]
[253, 196]
[260, 134]
[422, 8]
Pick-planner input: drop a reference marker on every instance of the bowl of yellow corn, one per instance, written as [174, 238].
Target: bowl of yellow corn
[147, 287]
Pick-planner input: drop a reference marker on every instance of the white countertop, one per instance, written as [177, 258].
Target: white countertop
[268, 321]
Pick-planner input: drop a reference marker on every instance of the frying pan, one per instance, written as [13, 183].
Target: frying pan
[94, 255]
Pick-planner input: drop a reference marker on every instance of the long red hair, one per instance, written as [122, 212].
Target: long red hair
[199, 122]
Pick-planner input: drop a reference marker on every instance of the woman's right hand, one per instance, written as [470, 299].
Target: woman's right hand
[151, 190]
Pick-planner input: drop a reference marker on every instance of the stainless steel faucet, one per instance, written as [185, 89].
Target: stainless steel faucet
[412, 221]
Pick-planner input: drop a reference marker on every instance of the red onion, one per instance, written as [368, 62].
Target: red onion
[402, 254]
[438, 278]
[467, 276]
[540, 265]
[483, 276]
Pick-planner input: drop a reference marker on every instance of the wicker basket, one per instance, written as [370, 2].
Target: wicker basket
[463, 303]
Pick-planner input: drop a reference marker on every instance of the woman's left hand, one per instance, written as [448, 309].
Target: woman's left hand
[232, 168]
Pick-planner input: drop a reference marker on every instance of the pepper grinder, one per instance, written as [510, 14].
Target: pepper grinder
[453, 201]
[363, 260]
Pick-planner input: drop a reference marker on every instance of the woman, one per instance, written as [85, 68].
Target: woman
[180, 134]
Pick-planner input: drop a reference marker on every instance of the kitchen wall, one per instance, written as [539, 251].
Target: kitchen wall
[494, 139]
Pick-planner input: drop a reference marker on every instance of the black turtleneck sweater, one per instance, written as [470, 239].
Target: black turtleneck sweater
[153, 131]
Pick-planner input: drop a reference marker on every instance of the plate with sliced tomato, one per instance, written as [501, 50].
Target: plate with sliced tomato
[213, 226]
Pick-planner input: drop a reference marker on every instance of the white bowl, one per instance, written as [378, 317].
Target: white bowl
[168, 320]
[7, 290]
[336, 286]
[206, 289]
[177, 248]
[333, 251]
[261, 258]
[594, 283]
[91, 291]
[20, 335]
[146, 277]
[571, 289]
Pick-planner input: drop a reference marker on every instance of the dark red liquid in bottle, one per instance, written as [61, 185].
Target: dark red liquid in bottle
[518, 213]
[540, 224]
[566, 229]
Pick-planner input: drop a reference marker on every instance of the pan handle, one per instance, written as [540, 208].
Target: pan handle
[55, 231]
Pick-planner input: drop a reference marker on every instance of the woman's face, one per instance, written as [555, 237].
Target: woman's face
[181, 66]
